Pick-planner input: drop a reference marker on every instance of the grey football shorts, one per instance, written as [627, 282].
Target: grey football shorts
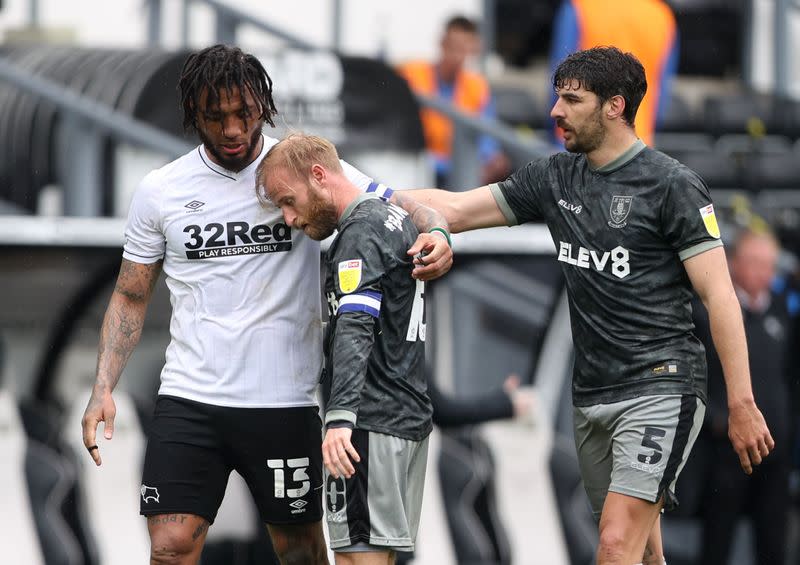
[636, 447]
[378, 508]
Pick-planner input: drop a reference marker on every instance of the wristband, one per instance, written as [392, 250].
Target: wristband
[444, 233]
[339, 424]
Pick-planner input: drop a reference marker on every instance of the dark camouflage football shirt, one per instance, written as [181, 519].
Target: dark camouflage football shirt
[621, 233]
[375, 350]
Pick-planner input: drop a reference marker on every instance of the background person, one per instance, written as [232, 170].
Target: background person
[582, 24]
[729, 494]
[449, 79]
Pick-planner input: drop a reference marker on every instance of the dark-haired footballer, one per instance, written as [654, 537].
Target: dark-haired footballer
[635, 233]
[238, 386]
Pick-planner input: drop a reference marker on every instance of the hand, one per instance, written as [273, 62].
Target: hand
[749, 434]
[437, 259]
[101, 408]
[523, 399]
[335, 450]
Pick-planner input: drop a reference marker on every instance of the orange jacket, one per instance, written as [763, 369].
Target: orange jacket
[645, 28]
[470, 94]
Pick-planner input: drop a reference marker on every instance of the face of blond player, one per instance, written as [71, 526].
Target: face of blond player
[579, 113]
[305, 203]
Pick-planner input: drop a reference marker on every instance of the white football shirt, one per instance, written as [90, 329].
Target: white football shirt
[246, 326]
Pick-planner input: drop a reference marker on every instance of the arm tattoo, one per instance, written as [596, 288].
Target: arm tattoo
[200, 530]
[424, 218]
[167, 519]
[124, 319]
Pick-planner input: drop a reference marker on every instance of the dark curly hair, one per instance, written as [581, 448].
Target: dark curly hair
[223, 67]
[607, 72]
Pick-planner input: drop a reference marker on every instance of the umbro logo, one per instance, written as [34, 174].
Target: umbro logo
[194, 205]
[298, 504]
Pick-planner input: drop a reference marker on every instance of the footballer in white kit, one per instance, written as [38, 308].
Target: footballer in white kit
[245, 332]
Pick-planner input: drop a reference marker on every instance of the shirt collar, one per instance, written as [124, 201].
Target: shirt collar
[201, 150]
[352, 206]
[629, 154]
[758, 305]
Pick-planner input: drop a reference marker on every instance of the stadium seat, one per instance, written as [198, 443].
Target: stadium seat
[577, 522]
[678, 143]
[112, 491]
[19, 541]
[716, 169]
[742, 144]
[467, 479]
[51, 470]
[787, 116]
[51, 479]
[679, 116]
[773, 171]
[740, 113]
[710, 36]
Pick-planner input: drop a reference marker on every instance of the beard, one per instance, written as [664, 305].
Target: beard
[234, 164]
[321, 219]
[589, 137]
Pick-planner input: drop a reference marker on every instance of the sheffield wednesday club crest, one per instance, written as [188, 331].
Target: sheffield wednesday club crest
[620, 208]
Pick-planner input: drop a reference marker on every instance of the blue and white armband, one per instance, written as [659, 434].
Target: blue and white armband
[368, 301]
[381, 190]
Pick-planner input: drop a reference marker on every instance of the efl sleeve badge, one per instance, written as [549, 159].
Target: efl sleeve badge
[710, 220]
[349, 275]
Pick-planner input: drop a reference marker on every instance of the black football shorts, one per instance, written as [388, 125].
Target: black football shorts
[192, 447]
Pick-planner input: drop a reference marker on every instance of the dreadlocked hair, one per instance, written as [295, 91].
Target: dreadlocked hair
[223, 67]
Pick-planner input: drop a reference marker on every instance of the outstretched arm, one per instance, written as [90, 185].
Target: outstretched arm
[747, 429]
[463, 211]
[121, 330]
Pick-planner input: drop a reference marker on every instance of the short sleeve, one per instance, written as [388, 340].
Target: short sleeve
[144, 239]
[688, 219]
[519, 196]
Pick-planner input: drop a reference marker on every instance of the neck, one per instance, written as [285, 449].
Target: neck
[618, 140]
[447, 73]
[343, 194]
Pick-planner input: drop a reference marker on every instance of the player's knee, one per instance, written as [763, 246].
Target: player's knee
[300, 545]
[170, 548]
[302, 556]
[612, 546]
[312, 554]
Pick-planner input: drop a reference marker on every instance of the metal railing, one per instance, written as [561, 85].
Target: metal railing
[228, 20]
[87, 122]
[468, 129]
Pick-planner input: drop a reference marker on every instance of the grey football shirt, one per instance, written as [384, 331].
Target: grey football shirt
[621, 233]
[375, 348]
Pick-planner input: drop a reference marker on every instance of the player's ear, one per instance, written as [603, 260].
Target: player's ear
[614, 107]
[318, 173]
